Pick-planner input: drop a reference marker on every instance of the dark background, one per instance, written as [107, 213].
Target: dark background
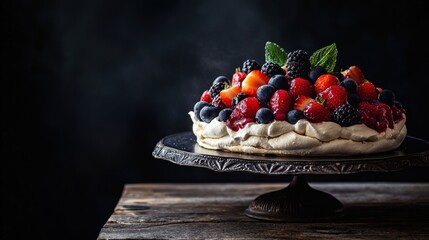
[88, 88]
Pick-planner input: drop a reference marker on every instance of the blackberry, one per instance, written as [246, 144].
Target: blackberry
[238, 98]
[346, 115]
[298, 64]
[250, 65]
[216, 88]
[272, 69]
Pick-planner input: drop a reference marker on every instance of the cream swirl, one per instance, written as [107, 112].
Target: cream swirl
[302, 138]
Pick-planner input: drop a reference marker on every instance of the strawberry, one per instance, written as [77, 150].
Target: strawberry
[228, 94]
[315, 112]
[302, 102]
[334, 96]
[300, 86]
[325, 81]
[253, 81]
[355, 73]
[280, 104]
[238, 77]
[243, 113]
[205, 97]
[367, 92]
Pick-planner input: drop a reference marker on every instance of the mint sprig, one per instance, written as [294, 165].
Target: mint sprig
[275, 54]
[325, 57]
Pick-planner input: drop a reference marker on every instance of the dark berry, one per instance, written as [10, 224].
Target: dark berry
[216, 88]
[208, 113]
[350, 85]
[398, 104]
[298, 64]
[197, 108]
[294, 115]
[346, 115]
[250, 65]
[238, 98]
[279, 82]
[224, 114]
[387, 96]
[221, 79]
[272, 69]
[316, 72]
[264, 93]
[339, 75]
[264, 116]
[353, 99]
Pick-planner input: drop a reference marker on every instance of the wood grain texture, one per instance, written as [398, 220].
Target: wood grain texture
[215, 211]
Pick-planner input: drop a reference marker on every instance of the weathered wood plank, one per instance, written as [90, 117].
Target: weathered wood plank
[215, 211]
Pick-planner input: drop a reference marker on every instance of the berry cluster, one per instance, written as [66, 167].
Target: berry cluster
[297, 91]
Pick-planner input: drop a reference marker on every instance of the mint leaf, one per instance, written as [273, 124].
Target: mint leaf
[275, 54]
[325, 57]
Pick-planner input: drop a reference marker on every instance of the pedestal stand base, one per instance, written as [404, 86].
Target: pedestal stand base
[298, 202]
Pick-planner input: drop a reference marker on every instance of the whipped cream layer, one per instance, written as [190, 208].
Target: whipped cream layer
[302, 138]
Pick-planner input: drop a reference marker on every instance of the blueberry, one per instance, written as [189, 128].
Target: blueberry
[208, 113]
[197, 108]
[221, 79]
[350, 85]
[353, 99]
[316, 72]
[398, 104]
[264, 115]
[339, 75]
[224, 114]
[264, 93]
[387, 96]
[294, 115]
[279, 82]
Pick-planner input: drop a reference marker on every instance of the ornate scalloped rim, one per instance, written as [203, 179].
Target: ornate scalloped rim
[223, 164]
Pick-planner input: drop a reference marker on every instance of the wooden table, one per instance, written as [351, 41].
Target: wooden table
[215, 211]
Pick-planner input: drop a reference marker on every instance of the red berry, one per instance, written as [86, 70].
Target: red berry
[206, 96]
[325, 81]
[301, 86]
[237, 78]
[253, 81]
[334, 96]
[377, 116]
[227, 95]
[355, 73]
[397, 113]
[243, 113]
[367, 92]
[302, 102]
[315, 112]
[217, 102]
[280, 104]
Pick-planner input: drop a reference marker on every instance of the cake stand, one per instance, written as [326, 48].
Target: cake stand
[297, 202]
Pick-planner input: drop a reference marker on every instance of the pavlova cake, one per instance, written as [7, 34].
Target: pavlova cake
[296, 104]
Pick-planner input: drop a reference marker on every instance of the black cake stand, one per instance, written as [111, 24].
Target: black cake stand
[297, 202]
